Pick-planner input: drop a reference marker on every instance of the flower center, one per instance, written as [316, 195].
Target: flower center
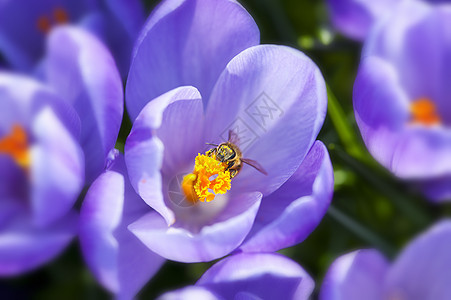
[16, 146]
[424, 112]
[208, 179]
[58, 17]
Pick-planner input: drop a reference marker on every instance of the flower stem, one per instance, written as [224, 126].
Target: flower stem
[344, 130]
[404, 203]
[361, 232]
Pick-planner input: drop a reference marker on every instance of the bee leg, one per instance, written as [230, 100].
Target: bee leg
[233, 173]
[211, 152]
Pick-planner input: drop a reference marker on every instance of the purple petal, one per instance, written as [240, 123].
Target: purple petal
[438, 190]
[116, 257]
[266, 276]
[355, 18]
[190, 292]
[123, 24]
[354, 276]
[214, 240]
[118, 24]
[83, 72]
[422, 153]
[21, 41]
[414, 277]
[24, 247]
[383, 116]
[144, 151]
[130, 13]
[23, 97]
[57, 170]
[13, 190]
[290, 214]
[421, 51]
[278, 96]
[204, 37]
[380, 113]
[381, 41]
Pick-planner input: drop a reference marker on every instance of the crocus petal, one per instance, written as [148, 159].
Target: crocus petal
[356, 275]
[267, 276]
[438, 189]
[212, 241]
[290, 214]
[421, 50]
[21, 41]
[387, 41]
[190, 292]
[203, 37]
[57, 169]
[117, 258]
[414, 277]
[123, 23]
[81, 69]
[144, 151]
[13, 189]
[278, 95]
[23, 97]
[423, 153]
[355, 18]
[380, 113]
[24, 247]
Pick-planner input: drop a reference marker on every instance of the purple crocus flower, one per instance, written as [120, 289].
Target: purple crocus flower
[249, 276]
[355, 18]
[421, 271]
[24, 25]
[41, 174]
[401, 96]
[119, 261]
[42, 127]
[272, 97]
[83, 73]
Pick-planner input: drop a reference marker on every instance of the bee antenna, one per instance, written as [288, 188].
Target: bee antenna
[211, 144]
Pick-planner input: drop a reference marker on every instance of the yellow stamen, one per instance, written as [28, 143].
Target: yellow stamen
[424, 112]
[209, 178]
[16, 146]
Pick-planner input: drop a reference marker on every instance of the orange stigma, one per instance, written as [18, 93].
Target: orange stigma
[209, 178]
[424, 112]
[45, 23]
[60, 15]
[16, 146]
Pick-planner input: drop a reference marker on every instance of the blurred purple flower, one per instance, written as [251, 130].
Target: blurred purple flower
[249, 276]
[401, 96]
[213, 45]
[355, 18]
[82, 72]
[24, 25]
[41, 174]
[41, 129]
[120, 262]
[421, 271]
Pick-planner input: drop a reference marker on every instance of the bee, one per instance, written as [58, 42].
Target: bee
[230, 154]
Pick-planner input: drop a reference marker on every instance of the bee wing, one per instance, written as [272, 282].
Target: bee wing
[233, 137]
[255, 165]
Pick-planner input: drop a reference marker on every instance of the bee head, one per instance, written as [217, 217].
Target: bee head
[224, 153]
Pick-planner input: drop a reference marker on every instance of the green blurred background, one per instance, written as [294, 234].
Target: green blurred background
[370, 208]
